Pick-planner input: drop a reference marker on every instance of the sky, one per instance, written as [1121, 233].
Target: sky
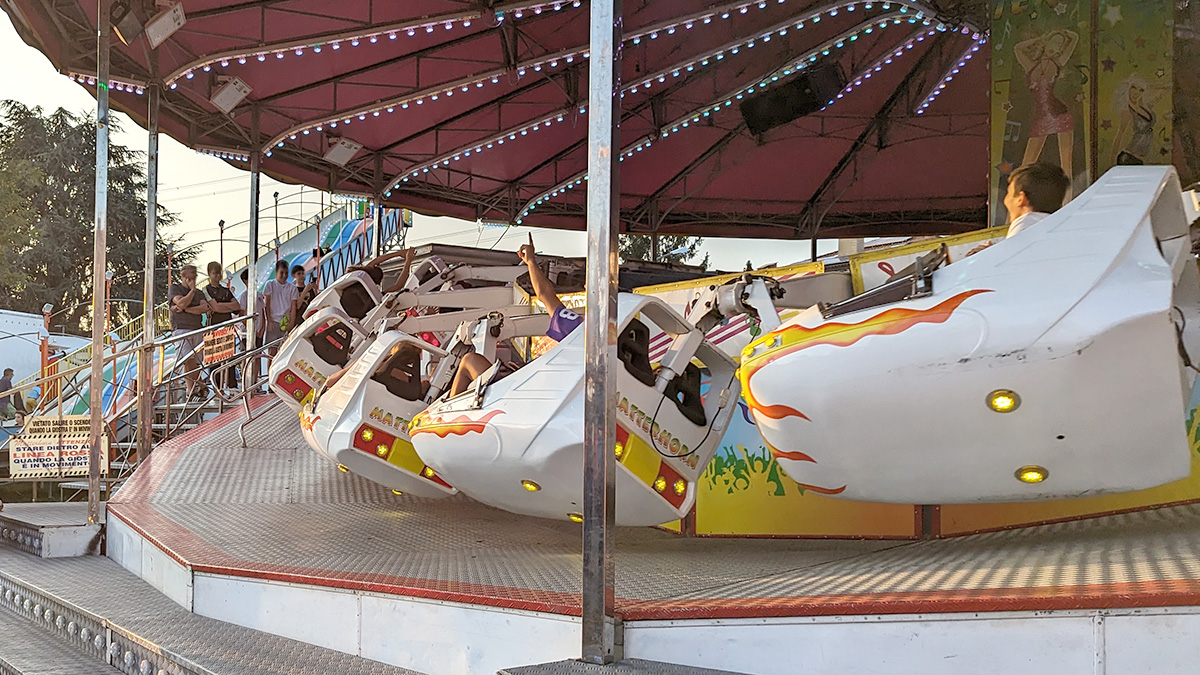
[203, 190]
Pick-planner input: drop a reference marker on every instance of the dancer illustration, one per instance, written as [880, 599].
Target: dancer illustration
[1044, 58]
[1134, 103]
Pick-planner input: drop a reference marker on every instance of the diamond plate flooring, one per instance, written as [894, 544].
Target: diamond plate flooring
[278, 509]
[27, 650]
[101, 587]
[627, 667]
[49, 514]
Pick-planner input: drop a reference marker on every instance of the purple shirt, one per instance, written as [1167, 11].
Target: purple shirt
[562, 323]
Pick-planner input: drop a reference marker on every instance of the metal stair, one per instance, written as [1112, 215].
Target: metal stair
[95, 615]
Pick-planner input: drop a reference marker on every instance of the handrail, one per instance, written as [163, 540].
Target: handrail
[287, 236]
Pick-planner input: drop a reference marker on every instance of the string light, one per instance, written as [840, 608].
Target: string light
[674, 71]
[138, 88]
[699, 115]
[948, 76]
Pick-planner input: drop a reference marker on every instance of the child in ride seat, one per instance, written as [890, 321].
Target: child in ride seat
[562, 321]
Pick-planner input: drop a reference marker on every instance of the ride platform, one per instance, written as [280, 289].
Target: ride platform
[274, 538]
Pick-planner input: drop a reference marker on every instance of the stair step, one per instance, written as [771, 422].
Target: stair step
[142, 631]
[30, 649]
[50, 529]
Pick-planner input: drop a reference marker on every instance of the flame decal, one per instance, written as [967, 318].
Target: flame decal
[459, 426]
[307, 422]
[795, 338]
[798, 456]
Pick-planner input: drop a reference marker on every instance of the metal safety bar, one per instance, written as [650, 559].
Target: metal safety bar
[249, 385]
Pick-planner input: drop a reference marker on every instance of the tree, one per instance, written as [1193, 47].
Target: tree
[49, 160]
[672, 248]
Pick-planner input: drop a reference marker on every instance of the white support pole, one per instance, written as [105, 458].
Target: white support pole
[145, 394]
[599, 411]
[99, 259]
[252, 278]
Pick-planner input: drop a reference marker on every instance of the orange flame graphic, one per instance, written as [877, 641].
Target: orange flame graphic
[797, 338]
[459, 426]
[307, 422]
[802, 457]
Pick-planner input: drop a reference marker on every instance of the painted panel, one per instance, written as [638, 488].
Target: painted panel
[1058, 645]
[450, 639]
[318, 616]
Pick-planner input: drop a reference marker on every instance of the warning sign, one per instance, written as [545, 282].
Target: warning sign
[53, 447]
[219, 345]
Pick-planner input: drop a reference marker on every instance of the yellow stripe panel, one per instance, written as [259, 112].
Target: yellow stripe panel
[404, 455]
[641, 459]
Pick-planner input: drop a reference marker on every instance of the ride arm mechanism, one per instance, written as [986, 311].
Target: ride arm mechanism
[749, 294]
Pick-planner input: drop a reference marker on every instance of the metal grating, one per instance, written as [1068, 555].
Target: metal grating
[279, 510]
[627, 667]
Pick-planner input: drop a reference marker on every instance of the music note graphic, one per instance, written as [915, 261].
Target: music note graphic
[1012, 131]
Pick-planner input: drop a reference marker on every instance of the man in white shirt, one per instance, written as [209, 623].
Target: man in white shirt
[1034, 192]
[281, 298]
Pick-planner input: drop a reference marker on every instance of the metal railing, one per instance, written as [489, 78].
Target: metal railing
[287, 236]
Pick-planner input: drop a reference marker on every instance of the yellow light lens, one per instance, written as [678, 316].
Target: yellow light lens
[368, 434]
[382, 450]
[575, 517]
[289, 378]
[660, 483]
[530, 485]
[343, 469]
[680, 486]
[1032, 474]
[1003, 400]
[428, 472]
[298, 394]
[397, 493]
[620, 450]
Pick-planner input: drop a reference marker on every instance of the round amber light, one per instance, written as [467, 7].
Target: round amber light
[367, 434]
[1003, 400]
[530, 485]
[619, 450]
[397, 493]
[1032, 474]
[428, 472]
[343, 468]
[289, 378]
[680, 486]
[575, 517]
[660, 483]
[382, 450]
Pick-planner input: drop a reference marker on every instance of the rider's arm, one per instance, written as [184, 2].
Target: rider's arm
[541, 283]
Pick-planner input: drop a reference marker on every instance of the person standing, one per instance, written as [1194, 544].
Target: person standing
[188, 308]
[281, 296]
[260, 324]
[224, 307]
[7, 411]
[307, 291]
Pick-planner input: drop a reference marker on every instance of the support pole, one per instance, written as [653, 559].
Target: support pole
[252, 277]
[378, 217]
[99, 259]
[145, 394]
[599, 411]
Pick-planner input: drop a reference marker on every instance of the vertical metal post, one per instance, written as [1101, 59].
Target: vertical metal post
[145, 396]
[99, 256]
[378, 225]
[252, 278]
[599, 429]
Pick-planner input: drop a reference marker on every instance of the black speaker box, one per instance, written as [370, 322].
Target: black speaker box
[803, 95]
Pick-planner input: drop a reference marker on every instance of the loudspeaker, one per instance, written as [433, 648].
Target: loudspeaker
[803, 95]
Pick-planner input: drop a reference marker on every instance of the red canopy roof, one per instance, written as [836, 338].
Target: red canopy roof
[481, 113]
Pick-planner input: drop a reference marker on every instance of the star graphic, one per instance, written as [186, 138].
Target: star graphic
[1005, 167]
[1160, 72]
[1060, 8]
[1113, 14]
[1006, 106]
[1106, 124]
[1108, 64]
